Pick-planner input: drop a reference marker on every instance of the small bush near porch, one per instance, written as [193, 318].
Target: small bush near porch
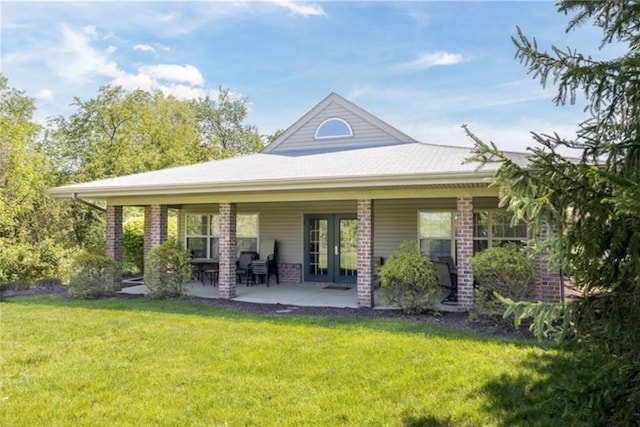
[142, 362]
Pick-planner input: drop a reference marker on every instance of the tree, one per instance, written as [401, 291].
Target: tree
[221, 128]
[28, 219]
[121, 132]
[595, 202]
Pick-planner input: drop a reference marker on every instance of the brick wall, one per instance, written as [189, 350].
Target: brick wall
[365, 253]
[155, 227]
[227, 250]
[464, 245]
[549, 282]
[290, 273]
[114, 232]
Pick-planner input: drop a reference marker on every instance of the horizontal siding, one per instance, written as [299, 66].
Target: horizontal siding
[364, 134]
[396, 221]
[282, 222]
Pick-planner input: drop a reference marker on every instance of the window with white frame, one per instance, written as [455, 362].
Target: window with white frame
[493, 228]
[435, 233]
[333, 128]
[203, 233]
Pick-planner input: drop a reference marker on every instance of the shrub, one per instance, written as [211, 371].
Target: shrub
[408, 279]
[94, 275]
[168, 269]
[23, 261]
[507, 271]
[133, 244]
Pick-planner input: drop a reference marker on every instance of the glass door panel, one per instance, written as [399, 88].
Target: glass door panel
[347, 245]
[330, 248]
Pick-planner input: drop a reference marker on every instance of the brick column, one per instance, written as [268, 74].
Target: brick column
[548, 282]
[464, 246]
[114, 232]
[365, 253]
[227, 250]
[155, 227]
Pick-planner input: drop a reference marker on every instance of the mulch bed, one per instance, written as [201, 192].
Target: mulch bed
[487, 327]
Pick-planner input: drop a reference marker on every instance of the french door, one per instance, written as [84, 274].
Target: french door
[331, 248]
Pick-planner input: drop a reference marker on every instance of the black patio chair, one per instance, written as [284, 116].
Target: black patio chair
[243, 268]
[267, 264]
[444, 279]
[453, 271]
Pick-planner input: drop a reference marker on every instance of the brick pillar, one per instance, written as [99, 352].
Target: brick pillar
[227, 250]
[114, 232]
[464, 246]
[155, 227]
[548, 282]
[365, 253]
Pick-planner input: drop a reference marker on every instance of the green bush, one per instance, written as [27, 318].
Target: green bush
[21, 261]
[168, 270]
[408, 279]
[133, 245]
[505, 270]
[94, 276]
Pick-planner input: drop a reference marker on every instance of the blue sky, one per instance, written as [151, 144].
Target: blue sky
[423, 67]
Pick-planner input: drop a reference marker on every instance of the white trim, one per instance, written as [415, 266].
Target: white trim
[330, 119]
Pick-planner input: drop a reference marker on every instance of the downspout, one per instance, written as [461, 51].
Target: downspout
[75, 197]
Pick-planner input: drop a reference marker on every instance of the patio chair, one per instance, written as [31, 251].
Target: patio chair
[444, 279]
[267, 264]
[243, 268]
[453, 271]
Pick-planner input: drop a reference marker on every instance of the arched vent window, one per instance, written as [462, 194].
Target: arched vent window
[333, 128]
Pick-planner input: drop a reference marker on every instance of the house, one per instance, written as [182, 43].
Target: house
[339, 190]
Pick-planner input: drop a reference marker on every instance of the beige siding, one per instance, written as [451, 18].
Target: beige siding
[397, 220]
[282, 222]
[364, 134]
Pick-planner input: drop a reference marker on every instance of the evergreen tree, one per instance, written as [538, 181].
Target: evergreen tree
[595, 202]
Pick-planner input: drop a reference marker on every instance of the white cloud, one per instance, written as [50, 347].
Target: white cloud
[111, 49]
[90, 30]
[307, 9]
[434, 59]
[180, 73]
[144, 48]
[45, 95]
[78, 60]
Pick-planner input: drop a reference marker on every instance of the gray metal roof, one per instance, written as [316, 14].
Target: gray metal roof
[406, 163]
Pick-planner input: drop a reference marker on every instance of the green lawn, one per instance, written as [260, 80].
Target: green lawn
[141, 362]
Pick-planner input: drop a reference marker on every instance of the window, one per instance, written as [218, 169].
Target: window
[333, 128]
[203, 232]
[493, 228]
[435, 232]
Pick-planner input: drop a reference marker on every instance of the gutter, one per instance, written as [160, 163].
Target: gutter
[75, 197]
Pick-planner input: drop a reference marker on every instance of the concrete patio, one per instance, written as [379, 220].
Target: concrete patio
[287, 294]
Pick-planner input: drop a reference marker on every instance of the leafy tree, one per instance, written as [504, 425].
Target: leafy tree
[221, 126]
[119, 132]
[595, 202]
[29, 220]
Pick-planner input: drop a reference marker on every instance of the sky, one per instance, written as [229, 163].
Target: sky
[424, 67]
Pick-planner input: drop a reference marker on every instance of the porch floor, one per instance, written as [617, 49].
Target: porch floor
[286, 294]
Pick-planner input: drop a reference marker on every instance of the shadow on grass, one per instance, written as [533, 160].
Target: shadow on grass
[427, 421]
[195, 308]
[541, 386]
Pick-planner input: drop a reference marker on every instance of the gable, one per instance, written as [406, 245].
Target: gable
[359, 129]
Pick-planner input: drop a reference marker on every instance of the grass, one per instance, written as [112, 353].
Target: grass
[142, 362]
